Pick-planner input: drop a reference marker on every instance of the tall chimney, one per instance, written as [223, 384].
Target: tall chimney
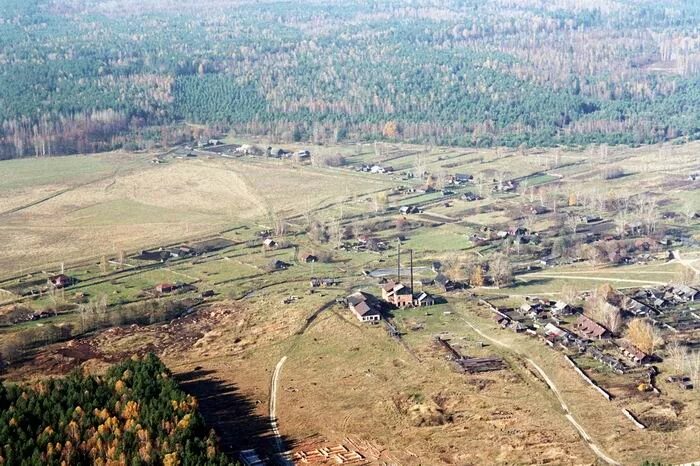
[411, 255]
[398, 265]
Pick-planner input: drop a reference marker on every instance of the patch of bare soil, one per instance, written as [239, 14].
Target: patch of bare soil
[193, 333]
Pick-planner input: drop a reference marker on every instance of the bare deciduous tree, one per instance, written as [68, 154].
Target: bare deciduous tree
[440, 179]
[621, 221]
[571, 221]
[570, 292]
[380, 201]
[693, 368]
[676, 355]
[419, 167]
[280, 226]
[501, 270]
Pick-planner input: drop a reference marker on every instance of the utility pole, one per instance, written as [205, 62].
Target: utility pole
[411, 256]
[398, 264]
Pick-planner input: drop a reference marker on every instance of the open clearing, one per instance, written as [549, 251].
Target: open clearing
[144, 204]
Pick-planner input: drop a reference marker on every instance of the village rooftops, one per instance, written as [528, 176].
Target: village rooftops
[686, 293]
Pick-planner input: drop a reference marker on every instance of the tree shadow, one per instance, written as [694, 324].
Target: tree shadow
[533, 282]
[232, 415]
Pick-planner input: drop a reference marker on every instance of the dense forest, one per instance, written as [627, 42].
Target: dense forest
[136, 414]
[87, 75]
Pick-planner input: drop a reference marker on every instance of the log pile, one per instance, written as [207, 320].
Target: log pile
[471, 365]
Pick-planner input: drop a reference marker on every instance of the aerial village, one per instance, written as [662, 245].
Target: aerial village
[438, 242]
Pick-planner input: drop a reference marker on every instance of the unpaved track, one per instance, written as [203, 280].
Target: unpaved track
[589, 441]
[283, 454]
[588, 277]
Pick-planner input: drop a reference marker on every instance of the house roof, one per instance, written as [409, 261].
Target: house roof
[60, 278]
[551, 329]
[589, 327]
[423, 296]
[361, 308]
[633, 351]
[356, 298]
[389, 286]
[400, 287]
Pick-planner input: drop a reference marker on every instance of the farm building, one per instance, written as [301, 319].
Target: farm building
[409, 209]
[684, 293]
[401, 295]
[424, 299]
[470, 197]
[397, 294]
[445, 283]
[362, 306]
[461, 178]
[317, 282]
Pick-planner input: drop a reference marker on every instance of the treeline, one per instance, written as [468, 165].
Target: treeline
[86, 75]
[136, 414]
[87, 317]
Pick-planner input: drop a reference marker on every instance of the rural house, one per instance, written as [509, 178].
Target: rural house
[361, 305]
[561, 308]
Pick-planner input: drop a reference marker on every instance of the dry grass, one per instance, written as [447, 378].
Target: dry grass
[151, 205]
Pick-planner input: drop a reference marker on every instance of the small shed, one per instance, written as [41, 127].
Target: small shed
[164, 288]
[308, 258]
[60, 281]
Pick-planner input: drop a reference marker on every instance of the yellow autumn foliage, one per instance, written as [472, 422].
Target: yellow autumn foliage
[131, 410]
[120, 386]
[184, 422]
[171, 459]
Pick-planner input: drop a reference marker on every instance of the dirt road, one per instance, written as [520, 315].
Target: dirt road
[588, 277]
[283, 454]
